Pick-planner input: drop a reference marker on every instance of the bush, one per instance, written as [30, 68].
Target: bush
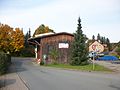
[27, 53]
[114, 54]
[42, 62]
[5, 61]
[54, 55]
[118, 51]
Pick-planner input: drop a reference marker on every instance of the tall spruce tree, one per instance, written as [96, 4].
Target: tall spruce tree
[108, 44]
[93, 38]
[79, 50]
[98, 37]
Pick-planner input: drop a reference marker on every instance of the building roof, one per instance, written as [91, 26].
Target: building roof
[44, 34]
[39, 37]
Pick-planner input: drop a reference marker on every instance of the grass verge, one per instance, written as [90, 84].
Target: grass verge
[82, 68]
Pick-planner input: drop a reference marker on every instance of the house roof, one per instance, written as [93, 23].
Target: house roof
[39, 37]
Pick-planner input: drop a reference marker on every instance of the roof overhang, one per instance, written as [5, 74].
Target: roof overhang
[36, 40]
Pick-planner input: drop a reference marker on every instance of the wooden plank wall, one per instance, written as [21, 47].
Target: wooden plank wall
[51, 42]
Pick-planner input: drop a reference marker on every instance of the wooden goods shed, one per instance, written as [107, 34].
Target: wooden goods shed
[46, 42]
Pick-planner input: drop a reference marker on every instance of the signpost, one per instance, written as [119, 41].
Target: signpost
[93, 60]
[96, 49]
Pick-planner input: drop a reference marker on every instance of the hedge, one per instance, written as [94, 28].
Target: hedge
[5, 61]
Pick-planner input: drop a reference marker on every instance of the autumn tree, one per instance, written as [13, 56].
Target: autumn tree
[42, 29]
[11, 41]
[5, 37]
[17, 40]
[79, 52]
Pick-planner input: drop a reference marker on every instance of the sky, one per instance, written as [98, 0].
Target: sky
[97, 16]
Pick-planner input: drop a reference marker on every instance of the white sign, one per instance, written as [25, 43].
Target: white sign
[63, 45]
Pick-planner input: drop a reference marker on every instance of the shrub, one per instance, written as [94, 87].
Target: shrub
[26, 52]
[5, 61]
[118, 51]
[114, 54]
[42, 62]
[54, 55]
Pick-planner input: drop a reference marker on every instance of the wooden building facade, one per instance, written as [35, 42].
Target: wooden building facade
[59, 41]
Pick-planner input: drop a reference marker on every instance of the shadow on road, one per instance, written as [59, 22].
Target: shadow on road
[16, 66]
[9, 81]
[6, 82]
[116, 87]
[19, 64]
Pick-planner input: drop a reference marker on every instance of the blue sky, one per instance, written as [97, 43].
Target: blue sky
[98, 16]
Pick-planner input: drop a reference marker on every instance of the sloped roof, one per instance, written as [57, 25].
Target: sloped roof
[44, 34]
[38, 38]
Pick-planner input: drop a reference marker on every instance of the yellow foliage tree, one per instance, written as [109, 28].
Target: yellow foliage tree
[11, 40]
[5, 34]
[17, 40]
[42, 29]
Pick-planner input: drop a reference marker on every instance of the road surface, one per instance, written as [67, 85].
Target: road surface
[43, 78]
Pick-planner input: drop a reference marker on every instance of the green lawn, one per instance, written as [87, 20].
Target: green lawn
[82, 68]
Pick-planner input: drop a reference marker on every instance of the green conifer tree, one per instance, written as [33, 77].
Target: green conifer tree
[79, 52]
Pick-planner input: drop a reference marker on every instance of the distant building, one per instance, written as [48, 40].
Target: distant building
[44, 43]
[96, 46]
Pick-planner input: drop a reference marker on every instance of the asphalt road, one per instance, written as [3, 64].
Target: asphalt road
[42, 78]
